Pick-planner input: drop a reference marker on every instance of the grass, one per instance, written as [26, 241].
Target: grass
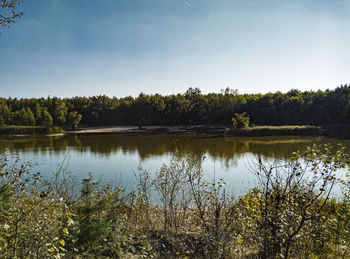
[29, 130]
[285, 130]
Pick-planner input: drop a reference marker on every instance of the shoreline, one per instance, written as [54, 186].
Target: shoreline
[337, 131]
[127, 129]
[220, 130]
[154, 129]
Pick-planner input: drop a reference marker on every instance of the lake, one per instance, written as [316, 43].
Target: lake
[116, 157]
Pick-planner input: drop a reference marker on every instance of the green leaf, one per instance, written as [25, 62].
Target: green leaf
[62, 242]
[6, 227]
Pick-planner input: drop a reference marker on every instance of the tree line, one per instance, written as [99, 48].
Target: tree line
[193, 107]
[37, 112]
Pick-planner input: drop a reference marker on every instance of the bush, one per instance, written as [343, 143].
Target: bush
[240, 120]
[54, 130]
[30, 130]
[291, 199]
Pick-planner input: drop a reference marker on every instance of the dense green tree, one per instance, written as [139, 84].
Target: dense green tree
[5, 113]
[37, 112]
[24, 117]
[73, 119]
[192, 107]
[240, 120]
[58, 110]
[45, 118]
[29, 117]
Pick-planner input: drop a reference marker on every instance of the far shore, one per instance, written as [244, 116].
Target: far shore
[336, 130]
[127, 129]
[205, 129]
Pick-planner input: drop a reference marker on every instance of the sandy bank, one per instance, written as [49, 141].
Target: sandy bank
[129, 129]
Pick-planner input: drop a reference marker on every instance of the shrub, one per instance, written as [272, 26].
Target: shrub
[240, 120]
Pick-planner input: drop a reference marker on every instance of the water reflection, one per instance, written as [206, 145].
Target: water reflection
[148, 146]
[117, 156]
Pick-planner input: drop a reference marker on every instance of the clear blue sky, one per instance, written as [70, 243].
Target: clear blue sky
[123, 47]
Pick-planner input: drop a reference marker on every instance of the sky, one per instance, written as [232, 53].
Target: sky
[68, 48]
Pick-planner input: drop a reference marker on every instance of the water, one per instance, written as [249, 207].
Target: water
[116, 157]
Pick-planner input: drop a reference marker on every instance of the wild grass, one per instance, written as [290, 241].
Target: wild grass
[286, 130]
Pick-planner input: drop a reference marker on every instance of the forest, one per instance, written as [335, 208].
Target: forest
[191, 108]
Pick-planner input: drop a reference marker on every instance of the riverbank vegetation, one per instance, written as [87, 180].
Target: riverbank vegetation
[178, 212]
[275, 131]
[191, 108]
[30, 130]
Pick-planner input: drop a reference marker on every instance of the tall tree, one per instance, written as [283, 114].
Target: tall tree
[73, 119]
[58, 110]
[45, 118]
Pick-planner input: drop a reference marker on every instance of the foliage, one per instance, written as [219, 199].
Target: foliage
[290, 196]
[169, 182]
[91, 224]
[289, 214]
[58, 109]
[31, 215]
[9, 13]
[193, 107]
[43, 117]
[29, 130]
[240, 120]
[73, 119]
[53, 130]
